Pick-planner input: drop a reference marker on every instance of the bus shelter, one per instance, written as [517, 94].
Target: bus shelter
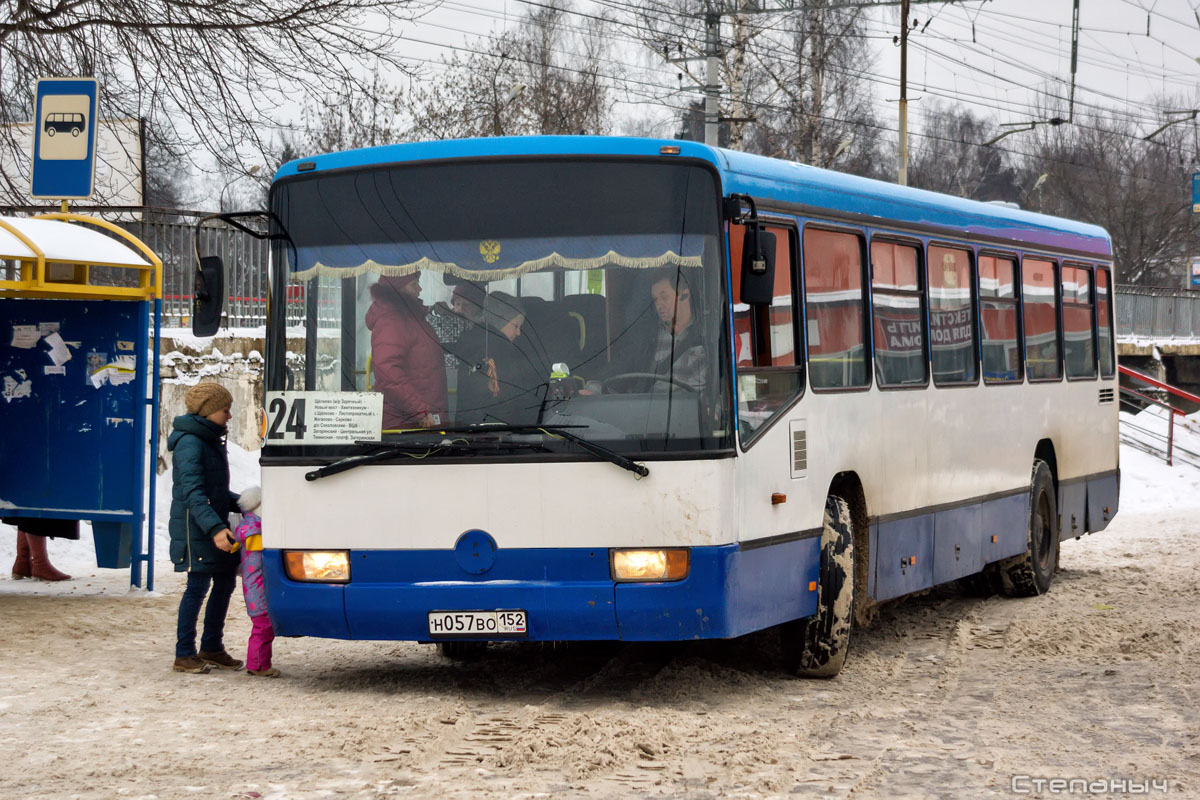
[79, 380]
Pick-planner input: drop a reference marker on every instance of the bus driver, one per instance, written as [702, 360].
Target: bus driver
[678, 349]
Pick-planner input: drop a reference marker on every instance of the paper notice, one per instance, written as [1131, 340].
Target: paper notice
[120, 370]
[47, 328]
[124, 345]
[25, 336]
[124, 369]
[54, 371]
[59, 353]
[14, 389]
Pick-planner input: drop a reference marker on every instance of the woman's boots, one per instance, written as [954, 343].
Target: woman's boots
[32, 561]
[21, 568]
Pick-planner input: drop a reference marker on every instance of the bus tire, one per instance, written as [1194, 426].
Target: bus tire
[50, 132]
[462, 651]
[74, 131]
[815, 647]
[1029, 575]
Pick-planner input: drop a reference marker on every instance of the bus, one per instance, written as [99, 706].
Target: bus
[64, 122]
[591, 388]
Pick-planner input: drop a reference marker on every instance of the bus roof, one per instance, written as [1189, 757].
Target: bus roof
[812, 189]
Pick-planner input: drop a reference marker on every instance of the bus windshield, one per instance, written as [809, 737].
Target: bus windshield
[523, 292]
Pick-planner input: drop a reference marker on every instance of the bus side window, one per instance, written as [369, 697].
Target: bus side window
[899, 315]
[998, 320]
[952, 316]
[765, 338]
[1039, 296]
[1104, 325]
[1079, 354]
[835, 305]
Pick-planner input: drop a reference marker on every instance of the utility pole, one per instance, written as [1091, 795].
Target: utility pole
[903, 176]
[712, 80]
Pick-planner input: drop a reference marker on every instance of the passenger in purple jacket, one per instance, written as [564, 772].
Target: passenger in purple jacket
[249, 536]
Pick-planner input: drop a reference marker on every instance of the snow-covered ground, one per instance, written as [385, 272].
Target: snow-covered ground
[943, 696]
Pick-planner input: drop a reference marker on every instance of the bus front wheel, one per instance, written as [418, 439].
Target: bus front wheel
[1030, 574]
[815, 647]
[50, 132]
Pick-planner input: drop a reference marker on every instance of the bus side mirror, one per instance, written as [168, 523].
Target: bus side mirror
[208, 296]
[758, 266]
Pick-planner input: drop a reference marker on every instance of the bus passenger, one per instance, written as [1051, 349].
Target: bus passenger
[467, 301]
[405, 355]
[678, 349]
[502, 378]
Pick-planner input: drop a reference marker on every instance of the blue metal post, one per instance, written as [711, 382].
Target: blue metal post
[139, 453]
[156, 355]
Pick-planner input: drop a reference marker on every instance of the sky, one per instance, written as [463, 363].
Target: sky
[991, 57]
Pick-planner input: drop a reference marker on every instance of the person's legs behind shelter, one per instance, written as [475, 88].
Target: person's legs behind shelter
[32, 559]
[21, 568]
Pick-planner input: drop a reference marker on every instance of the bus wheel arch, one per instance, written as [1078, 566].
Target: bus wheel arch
[816, 646]
[847, 486]
[1030, 574]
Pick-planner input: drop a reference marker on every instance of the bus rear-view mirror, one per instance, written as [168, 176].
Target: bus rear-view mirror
[758, 266]
[208, 297]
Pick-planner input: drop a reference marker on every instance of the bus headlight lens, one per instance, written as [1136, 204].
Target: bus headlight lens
[327, 566]
[650, 565]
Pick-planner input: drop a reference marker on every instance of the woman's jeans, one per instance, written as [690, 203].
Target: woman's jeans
[223, 584]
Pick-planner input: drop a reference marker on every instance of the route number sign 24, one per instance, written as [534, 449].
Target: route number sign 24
[322, 418]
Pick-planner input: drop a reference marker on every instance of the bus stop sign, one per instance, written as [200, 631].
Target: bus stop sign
[64, 138]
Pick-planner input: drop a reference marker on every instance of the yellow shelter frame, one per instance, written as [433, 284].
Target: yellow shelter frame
[67, 276]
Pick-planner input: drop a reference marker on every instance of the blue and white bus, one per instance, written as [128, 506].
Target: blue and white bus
[587, 388]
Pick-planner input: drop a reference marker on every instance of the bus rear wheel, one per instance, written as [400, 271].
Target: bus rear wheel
[1029, 575]
[816, 647]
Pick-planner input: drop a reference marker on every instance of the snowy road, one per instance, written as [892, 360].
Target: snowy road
[944, 696]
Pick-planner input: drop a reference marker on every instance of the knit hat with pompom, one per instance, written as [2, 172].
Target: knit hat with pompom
[250, 500]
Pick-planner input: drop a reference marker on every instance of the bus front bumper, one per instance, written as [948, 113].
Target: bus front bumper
[567, 593]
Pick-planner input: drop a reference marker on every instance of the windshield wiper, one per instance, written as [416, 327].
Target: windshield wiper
[390, 449]
[641, 470]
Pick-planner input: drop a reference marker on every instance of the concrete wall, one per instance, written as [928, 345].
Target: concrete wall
[235, 363]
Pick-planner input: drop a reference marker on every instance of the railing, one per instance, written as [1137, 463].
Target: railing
[1157, 313]
[1167, 449]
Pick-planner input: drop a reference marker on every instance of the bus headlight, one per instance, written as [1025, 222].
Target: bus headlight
[326, 566]
[650, 565]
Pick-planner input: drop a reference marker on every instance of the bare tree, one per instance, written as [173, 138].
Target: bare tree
[1102, 170]
[209, 74]
[795, 82]
[947, 156]
[541, 77]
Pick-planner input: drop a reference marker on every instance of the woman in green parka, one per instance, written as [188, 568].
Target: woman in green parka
[201, 543]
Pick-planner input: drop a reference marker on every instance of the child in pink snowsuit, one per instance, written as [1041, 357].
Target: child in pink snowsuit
[249, 536]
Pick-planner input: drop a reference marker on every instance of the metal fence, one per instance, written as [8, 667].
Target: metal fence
[1146, 312]
[245, 260]
[1155, 313]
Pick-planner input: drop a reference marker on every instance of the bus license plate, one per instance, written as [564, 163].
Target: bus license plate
[478, 623]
